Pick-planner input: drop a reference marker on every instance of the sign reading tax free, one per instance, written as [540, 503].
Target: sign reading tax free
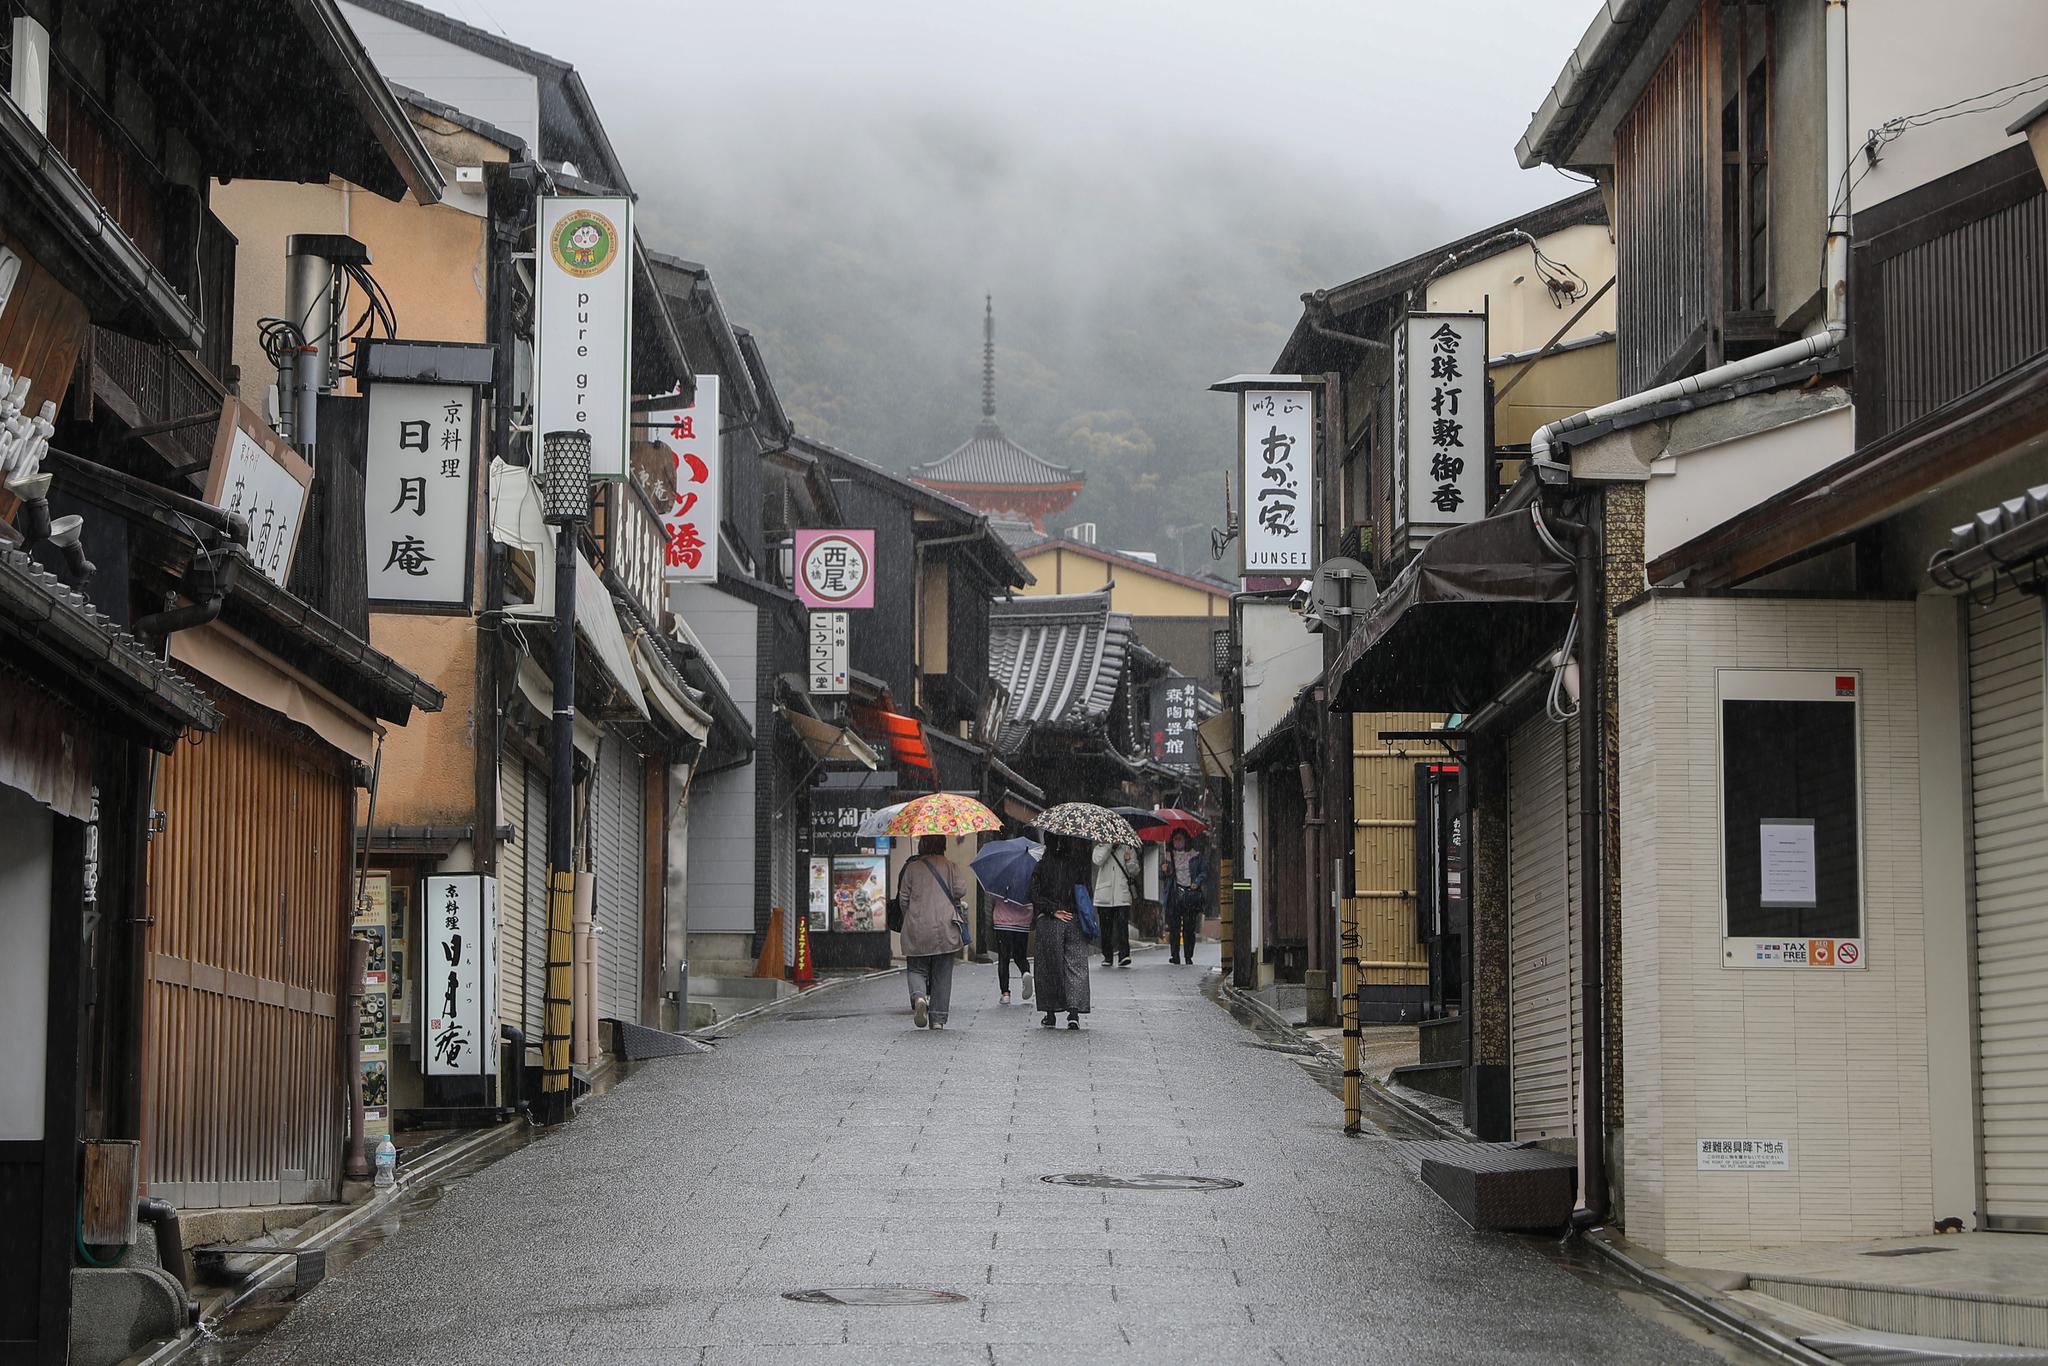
[583, 333]
[835, 568]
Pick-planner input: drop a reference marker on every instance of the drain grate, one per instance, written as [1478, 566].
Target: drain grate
[1143, 1181]
[1906, 1251]
[884, 1295]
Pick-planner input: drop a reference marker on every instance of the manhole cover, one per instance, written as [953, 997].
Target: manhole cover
[874, 1295]
[1144, 1181]
[1906, 1251]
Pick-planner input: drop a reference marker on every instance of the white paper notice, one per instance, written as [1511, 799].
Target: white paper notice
[1786, 856]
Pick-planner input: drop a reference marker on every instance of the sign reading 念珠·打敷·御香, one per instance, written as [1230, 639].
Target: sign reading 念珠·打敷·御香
[1442, 428]
[583, 329]
[1277, 473]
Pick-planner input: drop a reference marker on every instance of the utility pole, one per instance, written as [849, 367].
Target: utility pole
[565, 497]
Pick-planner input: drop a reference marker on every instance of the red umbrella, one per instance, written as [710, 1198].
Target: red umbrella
[1172, 819]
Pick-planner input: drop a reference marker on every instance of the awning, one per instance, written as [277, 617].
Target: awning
[2012, 534]
[533, 685]
[1465, 615]
[248, 670]
[1275, 747]
[827, 742]
[1219, 741]
[667, 693]
[516, 521]
[905, 735]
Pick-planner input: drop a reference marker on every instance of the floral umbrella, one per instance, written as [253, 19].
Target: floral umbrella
[943, 813]
[1086, 820]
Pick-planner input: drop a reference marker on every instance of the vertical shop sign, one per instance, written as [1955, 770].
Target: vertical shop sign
[1276, 470]
[830, 650]
[1445, 430]
[678, 469]
[419, 493]
[584, 327]
[459, 975]
[257, 477]
[1173, 724]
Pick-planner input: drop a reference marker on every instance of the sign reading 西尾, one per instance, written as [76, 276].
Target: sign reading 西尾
[1276, 468]
[459, 976]
[829, 652]
[1173, 724]
[835, 568]
[1443, 430]
[584, 327]
[683, 480]
[259, 478]
[1745, 1155]
[419, 492]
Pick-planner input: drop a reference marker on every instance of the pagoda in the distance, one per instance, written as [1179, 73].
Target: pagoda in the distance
[993, 474]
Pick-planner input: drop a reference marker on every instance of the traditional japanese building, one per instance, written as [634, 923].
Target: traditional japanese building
[993, 474]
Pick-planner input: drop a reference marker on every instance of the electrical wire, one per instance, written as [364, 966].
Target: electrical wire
[1553, 700]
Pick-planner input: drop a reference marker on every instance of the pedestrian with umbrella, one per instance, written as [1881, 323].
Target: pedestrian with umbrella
[1182, 871]
[931, 907]
[1116, 879]
[1004, 870]
[1063, 905]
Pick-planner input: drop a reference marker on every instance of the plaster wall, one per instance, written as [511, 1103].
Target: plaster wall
[1834, 1061]
[429, 770]
[1521, 312]
[1692, 493]
[1060, 570]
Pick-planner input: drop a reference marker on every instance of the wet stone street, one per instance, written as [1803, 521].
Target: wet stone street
[835, 1147]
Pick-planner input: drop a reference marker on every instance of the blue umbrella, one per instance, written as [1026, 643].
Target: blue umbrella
[1003, 867]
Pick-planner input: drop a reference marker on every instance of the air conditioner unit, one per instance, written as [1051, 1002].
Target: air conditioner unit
[1084, 532]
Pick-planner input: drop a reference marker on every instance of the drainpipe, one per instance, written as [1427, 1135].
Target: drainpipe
[586, 971]
[1824, 340]
[1592, 558]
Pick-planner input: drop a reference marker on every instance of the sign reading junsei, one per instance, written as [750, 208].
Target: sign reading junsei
[1276, 468]
[830, 641]
[584, 328]
[1444, 429]
[419, 492]
[835, 568]
[459, 976]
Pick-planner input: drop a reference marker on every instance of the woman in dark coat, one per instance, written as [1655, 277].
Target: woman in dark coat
[1060, 958]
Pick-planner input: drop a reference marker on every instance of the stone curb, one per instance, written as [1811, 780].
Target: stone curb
[830, 984]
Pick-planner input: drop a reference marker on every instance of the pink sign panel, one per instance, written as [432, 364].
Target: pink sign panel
[835, 567]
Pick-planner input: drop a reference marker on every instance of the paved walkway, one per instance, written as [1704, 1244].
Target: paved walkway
[837, 1146]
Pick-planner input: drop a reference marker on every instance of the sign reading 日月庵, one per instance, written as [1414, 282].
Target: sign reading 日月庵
[419, 492]
[583, 330]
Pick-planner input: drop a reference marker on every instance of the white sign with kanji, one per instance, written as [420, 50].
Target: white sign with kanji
[1445, 426]
[459, 976]
[830, 641]
[419, 492]
[685, 485]
[1277, 470]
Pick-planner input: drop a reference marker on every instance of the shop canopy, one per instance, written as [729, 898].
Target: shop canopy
[1460, 621]
[827, 742]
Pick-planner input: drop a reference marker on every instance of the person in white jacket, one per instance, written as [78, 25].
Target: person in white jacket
[1116, 881]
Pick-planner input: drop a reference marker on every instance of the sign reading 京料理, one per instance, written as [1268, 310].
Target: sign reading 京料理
[1745, 1155]
[1276, 468]
[683, 482]
[835, 567]
[584, 327]
[419, 492]
[830, 641]
[1443, 430]
[1173, 724]
[256, 476]
[458, 959]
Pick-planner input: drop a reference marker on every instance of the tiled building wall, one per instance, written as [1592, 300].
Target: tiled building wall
[1835, 1061]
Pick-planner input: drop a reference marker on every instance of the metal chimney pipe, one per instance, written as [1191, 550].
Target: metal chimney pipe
[309, 306]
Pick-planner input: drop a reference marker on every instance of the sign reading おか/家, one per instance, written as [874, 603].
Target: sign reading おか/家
[1745, 1155]
[583, 331]
[459, 976]
[835, 568]
[1276, 467]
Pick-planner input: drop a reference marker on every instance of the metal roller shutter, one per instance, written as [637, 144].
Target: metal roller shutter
[1543, 941]
[621, 863]
[2009, 838]
[533, 859]
[513, 892]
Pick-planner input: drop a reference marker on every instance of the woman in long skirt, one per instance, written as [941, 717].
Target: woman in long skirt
[1062, 952]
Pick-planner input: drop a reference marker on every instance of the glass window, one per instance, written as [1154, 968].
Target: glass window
[1791, 805]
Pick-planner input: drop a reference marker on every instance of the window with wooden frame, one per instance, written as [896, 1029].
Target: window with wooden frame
[1745, 170]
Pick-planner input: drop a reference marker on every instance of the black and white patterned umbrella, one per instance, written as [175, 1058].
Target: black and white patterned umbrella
[1086, 820]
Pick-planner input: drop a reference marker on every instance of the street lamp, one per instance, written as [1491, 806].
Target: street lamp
[565, 503]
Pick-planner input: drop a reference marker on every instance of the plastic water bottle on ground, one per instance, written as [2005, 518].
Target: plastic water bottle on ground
[387, 1163]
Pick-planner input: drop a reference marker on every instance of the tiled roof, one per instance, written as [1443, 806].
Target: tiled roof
[989, 457]
[1060, 658]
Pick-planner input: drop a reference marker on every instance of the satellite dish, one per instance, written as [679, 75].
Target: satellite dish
[1343, 587]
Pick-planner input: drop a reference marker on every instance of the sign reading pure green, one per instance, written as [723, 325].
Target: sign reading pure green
[583, 350]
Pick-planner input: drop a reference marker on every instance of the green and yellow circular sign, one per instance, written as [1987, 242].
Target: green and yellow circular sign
[584, 243]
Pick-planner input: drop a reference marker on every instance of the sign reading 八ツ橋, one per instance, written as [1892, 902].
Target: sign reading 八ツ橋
[419, 491]
[683, 483]
[1276, 467]
[583, 332]
[459, 976]
[1443, 431]
[1173, 724]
